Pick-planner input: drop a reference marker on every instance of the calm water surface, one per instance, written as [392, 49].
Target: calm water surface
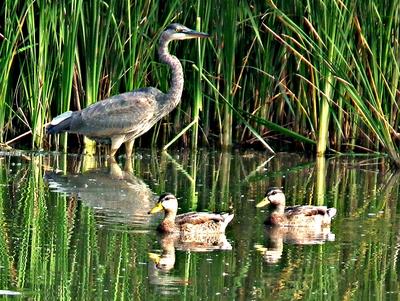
[77, 228]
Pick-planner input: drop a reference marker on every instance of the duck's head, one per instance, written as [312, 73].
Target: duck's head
[273, 196]
[164, 262]
[166, 202]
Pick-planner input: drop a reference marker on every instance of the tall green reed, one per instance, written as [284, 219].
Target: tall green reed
[311, 72]
[9, 39]
[343, 71]
[39, 64]
[95, 22]
[198, 94]
[227, 56]
[70, 71]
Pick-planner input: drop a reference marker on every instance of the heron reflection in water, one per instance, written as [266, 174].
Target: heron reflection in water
[124, 117]
[116, 194]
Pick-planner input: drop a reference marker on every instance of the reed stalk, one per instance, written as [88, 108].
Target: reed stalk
[9, 39]
[38, 77]
[229, 29]
[198, 95]
[68, 36]
[94, 34]
[322, 74]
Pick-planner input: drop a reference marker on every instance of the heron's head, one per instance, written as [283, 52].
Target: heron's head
[176, 31]
[167, 202]
[275, 196]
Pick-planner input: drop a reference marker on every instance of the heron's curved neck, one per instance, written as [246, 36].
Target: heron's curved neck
[176, 87]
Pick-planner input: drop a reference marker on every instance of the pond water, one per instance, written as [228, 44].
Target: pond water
[77, 228]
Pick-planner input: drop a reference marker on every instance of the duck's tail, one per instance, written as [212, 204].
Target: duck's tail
[331, 212]
[59, 124]
[227, 219]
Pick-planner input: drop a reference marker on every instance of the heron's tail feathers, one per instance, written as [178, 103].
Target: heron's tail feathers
[59, 124]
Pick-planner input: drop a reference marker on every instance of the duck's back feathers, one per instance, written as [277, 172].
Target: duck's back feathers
[198, 218]
[308, 210]
[203, 222]
[305, 216]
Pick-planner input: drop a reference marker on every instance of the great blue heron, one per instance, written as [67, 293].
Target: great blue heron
[124, 117]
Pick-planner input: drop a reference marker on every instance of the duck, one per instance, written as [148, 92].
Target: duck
[188, 223]
[294, 216]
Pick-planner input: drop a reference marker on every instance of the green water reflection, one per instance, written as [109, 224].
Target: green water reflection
[76, 228]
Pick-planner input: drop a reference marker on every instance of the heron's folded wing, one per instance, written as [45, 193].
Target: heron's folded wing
[119, 114]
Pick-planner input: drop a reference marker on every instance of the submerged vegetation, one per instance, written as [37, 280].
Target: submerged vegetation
[324, 74]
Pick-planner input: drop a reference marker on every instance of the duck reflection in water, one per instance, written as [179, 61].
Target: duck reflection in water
[162, 264]
[117, 195]
[277, 236]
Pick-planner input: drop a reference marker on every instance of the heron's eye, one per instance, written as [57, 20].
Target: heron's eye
[178, 30]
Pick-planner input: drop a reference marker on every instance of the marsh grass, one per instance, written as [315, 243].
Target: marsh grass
[349, 81]
[9, 39]
[322, 74]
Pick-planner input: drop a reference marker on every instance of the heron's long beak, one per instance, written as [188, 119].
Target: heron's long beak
[263, 203]
[196, 34]
[157, 208]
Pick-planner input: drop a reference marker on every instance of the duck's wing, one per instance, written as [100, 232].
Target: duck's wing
[195, 218]
[305, 210]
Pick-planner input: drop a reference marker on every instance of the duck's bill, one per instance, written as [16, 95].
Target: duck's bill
[263, 203]
[156, 208]
[154, 257]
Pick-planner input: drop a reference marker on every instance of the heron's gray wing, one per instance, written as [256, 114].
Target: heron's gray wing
[119, 114]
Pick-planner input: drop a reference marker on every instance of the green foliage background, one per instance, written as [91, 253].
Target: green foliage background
[324, 74]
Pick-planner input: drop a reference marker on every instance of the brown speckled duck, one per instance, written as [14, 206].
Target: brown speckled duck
[296, 216]
[191, 222]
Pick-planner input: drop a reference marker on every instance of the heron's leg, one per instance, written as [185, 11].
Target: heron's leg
[115, 144]
[115, 170]
[129, 147]
[128, 165]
